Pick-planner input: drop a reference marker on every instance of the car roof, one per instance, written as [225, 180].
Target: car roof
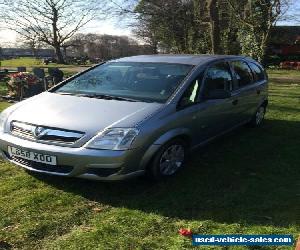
[180, 59]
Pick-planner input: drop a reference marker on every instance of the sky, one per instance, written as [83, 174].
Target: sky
[8, 38]
[112, 27]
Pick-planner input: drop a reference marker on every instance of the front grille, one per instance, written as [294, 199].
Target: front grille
[63, 169]
[46, 134]
[21, 132]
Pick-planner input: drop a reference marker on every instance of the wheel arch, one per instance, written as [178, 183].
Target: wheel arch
[182, 134]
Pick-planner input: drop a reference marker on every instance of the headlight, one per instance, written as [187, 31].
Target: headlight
[114, 139]
[3, 117]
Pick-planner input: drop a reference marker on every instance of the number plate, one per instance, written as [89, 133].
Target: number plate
[32, 156]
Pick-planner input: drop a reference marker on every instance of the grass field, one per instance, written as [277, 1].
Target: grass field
[246, 182]
[30, 63]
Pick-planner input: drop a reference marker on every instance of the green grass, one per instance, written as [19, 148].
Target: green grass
[31, 62]
[3, 87]
[246, 182]
[283, 72]
[28, 62]
[23, 61]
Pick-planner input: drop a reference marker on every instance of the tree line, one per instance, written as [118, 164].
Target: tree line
[169, 26]
[208, 26]
[103, 47]
[90, 47]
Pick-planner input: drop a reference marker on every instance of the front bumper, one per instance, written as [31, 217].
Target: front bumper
[76, 162]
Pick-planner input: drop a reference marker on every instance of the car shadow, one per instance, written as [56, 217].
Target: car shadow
[249, 176]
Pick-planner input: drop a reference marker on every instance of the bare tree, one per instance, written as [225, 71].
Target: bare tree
[33, 43]
[292, 16]
[53, 22]
[144, 30]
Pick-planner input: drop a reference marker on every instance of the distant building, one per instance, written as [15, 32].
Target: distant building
[17, 52]
[285, 41]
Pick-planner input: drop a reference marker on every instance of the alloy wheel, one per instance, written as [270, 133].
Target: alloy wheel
[172, 159]
[260, 115]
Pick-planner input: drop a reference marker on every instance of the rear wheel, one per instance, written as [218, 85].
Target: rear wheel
[259, 116]
[168, 160]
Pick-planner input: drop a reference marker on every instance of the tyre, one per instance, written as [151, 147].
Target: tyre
[258, 116]
[168, 160]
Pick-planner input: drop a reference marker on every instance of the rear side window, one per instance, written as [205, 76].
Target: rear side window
[217, 77]
[242, 73]
[258, 73]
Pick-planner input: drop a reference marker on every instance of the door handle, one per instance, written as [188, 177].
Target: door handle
[235, 102]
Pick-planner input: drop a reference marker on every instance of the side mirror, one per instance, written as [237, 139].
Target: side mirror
[217, 94]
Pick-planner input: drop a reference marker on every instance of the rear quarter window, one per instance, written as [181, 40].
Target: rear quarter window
[258, 73]
[242, 73]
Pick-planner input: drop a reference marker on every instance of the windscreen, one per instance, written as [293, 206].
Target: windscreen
[152, 82]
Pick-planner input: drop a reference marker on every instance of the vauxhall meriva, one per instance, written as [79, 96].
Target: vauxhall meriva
[133, 115]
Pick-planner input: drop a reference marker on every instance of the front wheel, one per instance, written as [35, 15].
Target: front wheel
[168, 160]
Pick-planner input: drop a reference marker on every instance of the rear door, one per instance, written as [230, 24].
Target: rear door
[260, 83]
[244, 90]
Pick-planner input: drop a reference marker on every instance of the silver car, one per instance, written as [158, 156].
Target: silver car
[133, 116]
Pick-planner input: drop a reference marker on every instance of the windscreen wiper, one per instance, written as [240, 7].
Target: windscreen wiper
[100, 96]
[108, 97]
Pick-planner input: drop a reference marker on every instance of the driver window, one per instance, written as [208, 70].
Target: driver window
[218, 77]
